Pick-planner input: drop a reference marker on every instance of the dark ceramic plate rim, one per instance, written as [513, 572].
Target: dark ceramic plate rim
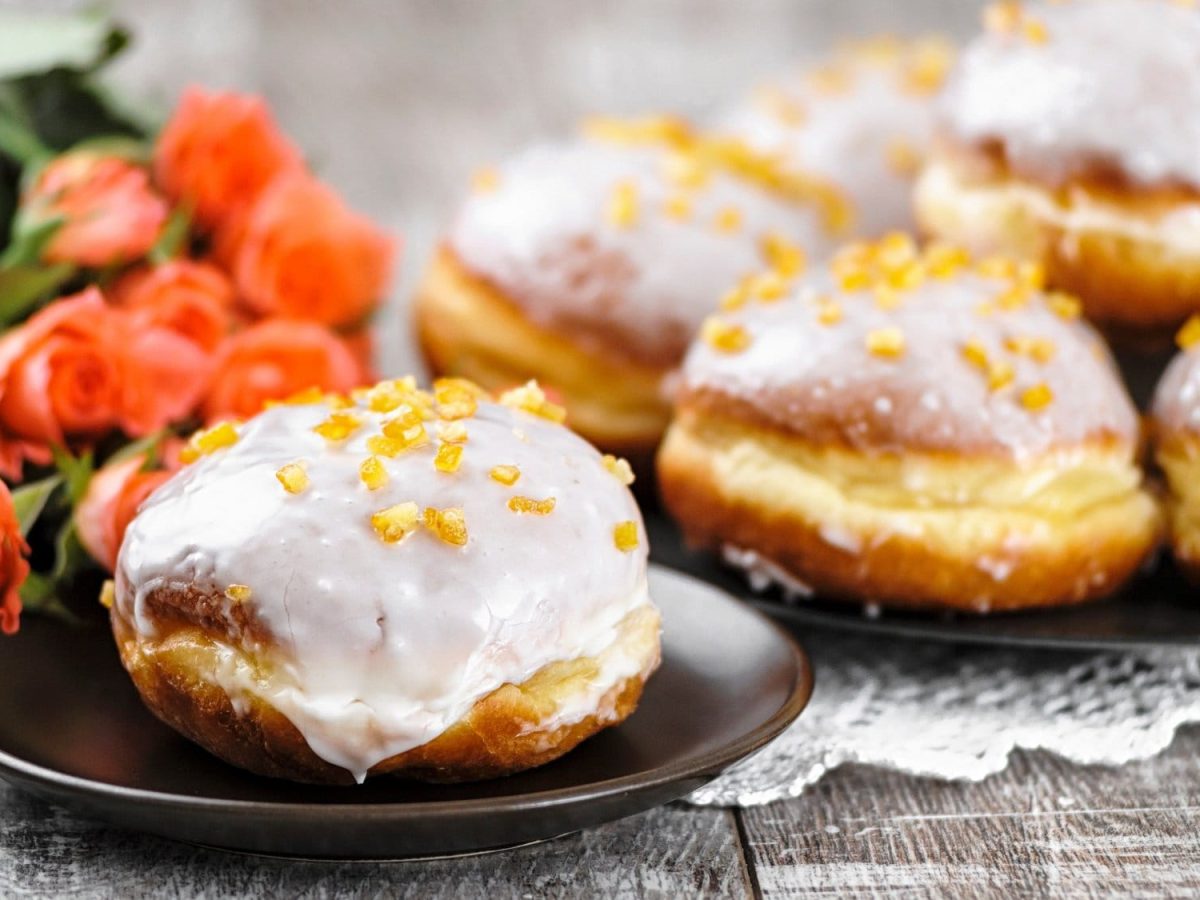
[706, 766]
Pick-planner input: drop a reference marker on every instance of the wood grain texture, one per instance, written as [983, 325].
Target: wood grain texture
[673, 851]
[1044, 827]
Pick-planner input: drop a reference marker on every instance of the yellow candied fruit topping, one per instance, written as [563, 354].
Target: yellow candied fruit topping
[895, 250]
[209, 440]
[388, 396]
[625, 536]
[829, 312]
[1014, 297]
[854, 280]
[1189, 335]
[1034, 31]
[886, 342]
[1039, 349]
[997, 267]
[1037, 397]
[1002, 17]
[1000, 375]
[902, 157]
[724, 336]
[685, 170]
[302, 398]
[404, 436]
[338, 427]
[1065, 306]
[238, 593]
[619, 468]
[623, 205]
[448, 458]
[521, 504]
[769, 286]
[382, 445]
[449, 524]
[928, 66]
[506, 475]
[372, 473]
[293, 478]
[108, 593]
[395, 523]
[532, 399]
[678, 207]
[737, 296]
[485, 180]
[1032, 274]
[654, 129]
[454, 432]
[945, 260]
[456, 398]
[784, 256]
[886, 297]
[728, 219]
[976, 354]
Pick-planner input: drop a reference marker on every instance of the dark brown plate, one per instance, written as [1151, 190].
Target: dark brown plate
[73, 730]
[1158, 609]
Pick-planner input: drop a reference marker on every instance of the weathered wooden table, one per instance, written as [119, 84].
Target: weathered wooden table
[1042, 828]
[397, 101]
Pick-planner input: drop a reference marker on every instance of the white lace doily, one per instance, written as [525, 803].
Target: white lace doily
[958, 712]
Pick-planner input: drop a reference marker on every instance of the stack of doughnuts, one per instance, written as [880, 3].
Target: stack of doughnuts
[911, 428]
[1069, 134]
[590, 264]
[430, 584]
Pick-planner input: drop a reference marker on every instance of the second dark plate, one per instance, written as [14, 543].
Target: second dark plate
[1156, 610]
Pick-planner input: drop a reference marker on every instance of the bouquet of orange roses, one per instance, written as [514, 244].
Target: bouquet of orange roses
[152, 281]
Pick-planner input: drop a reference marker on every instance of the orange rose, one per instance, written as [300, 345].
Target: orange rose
[59, 372]
[361, 343]
[14, 453]
[81, 368]
[218, 152]
[302, 254]
[274, 359]
[110, 214]
[112, 500]
[189, 297]
[14, 568]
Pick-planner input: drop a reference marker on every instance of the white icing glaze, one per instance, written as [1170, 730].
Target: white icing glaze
[542, 237]
[1116, 82]
[1176, 406]
[377, 648]
[848, 133]
[820, 380]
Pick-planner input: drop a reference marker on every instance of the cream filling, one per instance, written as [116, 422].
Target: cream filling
[1181, 463]
[952, 206]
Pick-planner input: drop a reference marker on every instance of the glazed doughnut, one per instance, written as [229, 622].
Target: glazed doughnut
[912, 429]
[1070, 134]
[437, 586]
[589, 265]
[862, 120]
[1175, 424]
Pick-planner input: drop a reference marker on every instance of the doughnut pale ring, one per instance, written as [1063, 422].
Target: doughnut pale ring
[432, 585]
[913, 430]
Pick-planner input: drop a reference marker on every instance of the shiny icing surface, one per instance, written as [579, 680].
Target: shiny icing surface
[1114, 83]
[374, 647]
[1176, 406]
[543, 235]
[864, 121]
[943, 374]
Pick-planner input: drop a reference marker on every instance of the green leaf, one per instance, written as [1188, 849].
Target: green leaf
[18, 140]
[31, 43]
[69, 554]
[29, 240]
[39, 594]
[173, 239]
[21, 287]
[30, 499]
[76, 470]
[148, 445]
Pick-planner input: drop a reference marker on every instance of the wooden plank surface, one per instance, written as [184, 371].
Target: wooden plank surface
[1042, 828]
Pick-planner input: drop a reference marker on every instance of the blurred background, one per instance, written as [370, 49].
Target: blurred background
[398, 101]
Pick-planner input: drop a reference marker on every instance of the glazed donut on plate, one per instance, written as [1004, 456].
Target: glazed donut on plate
[432, 585]
[863, 120]
[1070, 134]
[589, 265]
[1175, 425]
[911, 429]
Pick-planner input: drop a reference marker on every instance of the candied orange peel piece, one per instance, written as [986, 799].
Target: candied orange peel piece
[209, 440]
[449, 524]
[397, 522]
[519, 504]
[625, 536]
